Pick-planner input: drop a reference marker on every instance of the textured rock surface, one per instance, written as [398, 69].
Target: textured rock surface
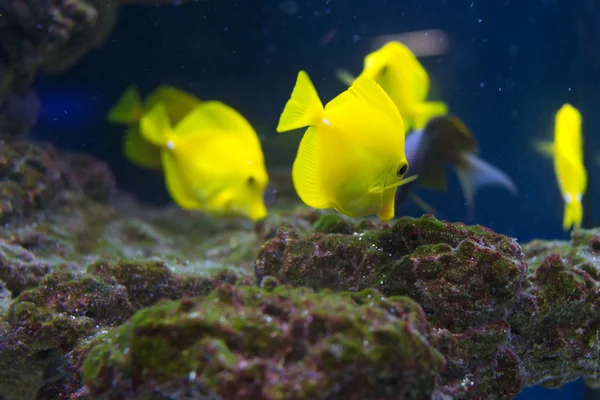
[50, 35]
[465, 278]
[556, 323]
[73, 265]
[248, 343]
[499, 324]
[454, 311]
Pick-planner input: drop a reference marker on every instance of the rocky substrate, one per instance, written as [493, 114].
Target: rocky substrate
[105, 299]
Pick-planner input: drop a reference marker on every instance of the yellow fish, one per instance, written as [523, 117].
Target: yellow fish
[351, 157]
[129, 109]
[212, 159]
[567, 151]
[398, 71]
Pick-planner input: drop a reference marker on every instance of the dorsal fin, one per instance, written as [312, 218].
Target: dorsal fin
[214, 115]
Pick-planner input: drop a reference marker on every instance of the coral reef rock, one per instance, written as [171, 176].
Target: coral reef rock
[249, 343]
[104, 298]
[45, 34]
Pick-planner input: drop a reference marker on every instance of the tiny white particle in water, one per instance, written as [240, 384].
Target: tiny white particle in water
[481, 84]
[479, 20]
[268, 319]
[222, 319]
[192, 376]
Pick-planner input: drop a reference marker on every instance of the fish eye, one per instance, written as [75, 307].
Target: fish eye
[402, 170]
[251, 180]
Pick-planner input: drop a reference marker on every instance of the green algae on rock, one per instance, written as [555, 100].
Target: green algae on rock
[284, 343]
[499, 326]
[461, 275]
[556, 324]
[69, 309]
[74, 264]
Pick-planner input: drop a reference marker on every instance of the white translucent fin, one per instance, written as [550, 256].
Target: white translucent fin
[305, 172]
[479, 173]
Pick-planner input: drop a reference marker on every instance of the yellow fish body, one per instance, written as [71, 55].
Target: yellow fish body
[568, 163]
[129, 109]
[212, 159]
[567, 152]
[351, 157]
[398, 71]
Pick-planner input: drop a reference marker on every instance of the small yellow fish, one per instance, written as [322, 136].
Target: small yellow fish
[567, 151]
[398, 71]
[351, 157]
[129, 109]
[212, 159]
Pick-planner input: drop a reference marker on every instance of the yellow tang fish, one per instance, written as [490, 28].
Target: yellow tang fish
[398, 71]
[129, 109]
[212, 159]
[567, 151]
[351, 158]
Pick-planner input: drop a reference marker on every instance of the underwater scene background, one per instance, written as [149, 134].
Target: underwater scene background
[97, 261]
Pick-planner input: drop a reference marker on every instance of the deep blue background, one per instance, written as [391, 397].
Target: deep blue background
[512, 64]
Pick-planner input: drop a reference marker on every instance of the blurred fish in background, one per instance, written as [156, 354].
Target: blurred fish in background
[446, 141]
[434, 140]
[567, 153]
[212, 159]
[128, 111]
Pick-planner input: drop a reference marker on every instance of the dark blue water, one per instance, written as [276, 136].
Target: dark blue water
[512, 64]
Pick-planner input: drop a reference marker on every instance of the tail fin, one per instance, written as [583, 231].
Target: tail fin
[129, 108]
[478, 173]
[304, 108]
[424, 112]
[573, 214]
[155, 126]
[345, 77]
